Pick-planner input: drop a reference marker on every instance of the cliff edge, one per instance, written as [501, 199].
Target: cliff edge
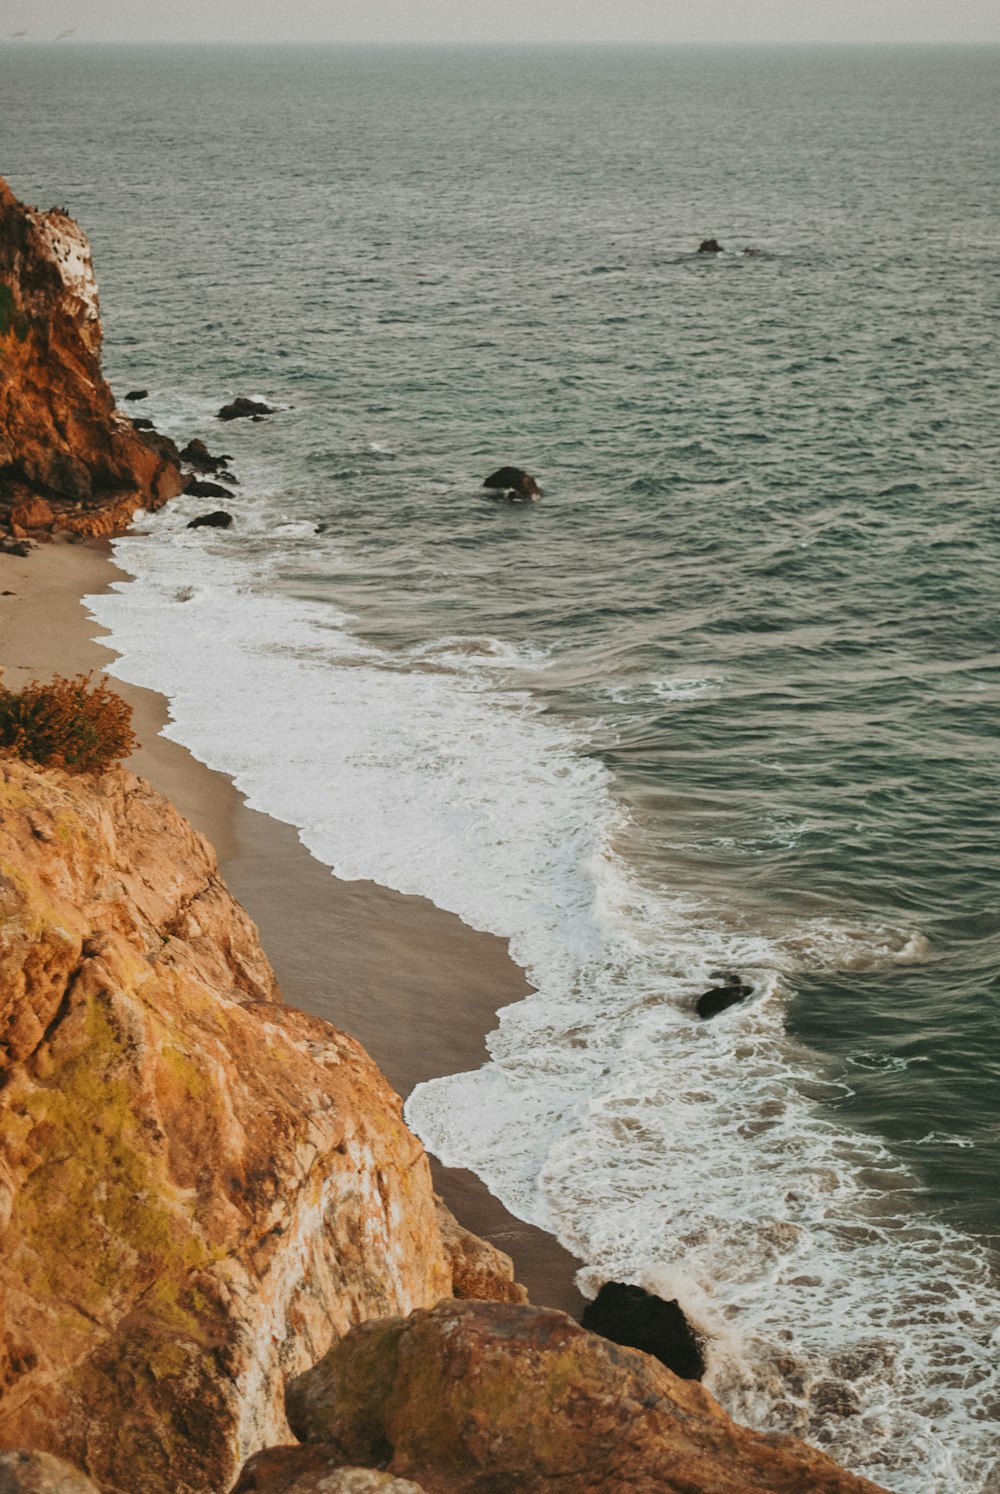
[67, 455]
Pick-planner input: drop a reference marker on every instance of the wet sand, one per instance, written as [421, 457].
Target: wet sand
[418, 987]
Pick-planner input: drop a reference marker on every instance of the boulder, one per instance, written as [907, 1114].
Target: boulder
[244, 409]
[19, 547]
[41, 1473]
[317, 1469]
[638, 1319]
[514, 484]
[197, 455]
[142, 423]
[478, 1269]
[163, 445]
[732, 991]
[197, 487]
[137, 394]
[709, 246]
[200, 1188]
[469, 1397]
[219, 519]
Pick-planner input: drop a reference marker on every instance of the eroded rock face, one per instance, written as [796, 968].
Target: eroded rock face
[475, 1396]
[199, 1187]
[61, 438]
[313, 1470]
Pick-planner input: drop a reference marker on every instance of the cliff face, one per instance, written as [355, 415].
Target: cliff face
[66, 453]
[199, 1188]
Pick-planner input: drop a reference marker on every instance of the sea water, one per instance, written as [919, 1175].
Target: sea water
[725, 699]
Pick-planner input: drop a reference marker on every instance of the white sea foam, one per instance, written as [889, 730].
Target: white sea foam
[688, 1156]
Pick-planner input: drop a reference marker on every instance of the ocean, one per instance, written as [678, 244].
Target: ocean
[726, 699]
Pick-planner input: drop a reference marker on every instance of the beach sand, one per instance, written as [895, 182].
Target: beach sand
[414, 984]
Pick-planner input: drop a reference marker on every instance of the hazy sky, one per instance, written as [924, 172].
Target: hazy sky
[503, 20]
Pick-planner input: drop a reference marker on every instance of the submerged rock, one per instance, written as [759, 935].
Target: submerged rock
[244, 409]
[732, 991]
[218, 519]
[710, 246]
[514, 484]
[629, 1315]
[197, 487]
[475, 1396]
[137, 394]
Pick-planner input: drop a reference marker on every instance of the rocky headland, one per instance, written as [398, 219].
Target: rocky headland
[68, 458]
[222, 1260]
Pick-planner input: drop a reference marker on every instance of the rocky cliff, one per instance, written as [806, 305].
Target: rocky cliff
[199, 1187]
[204, 1194]
[67, 456]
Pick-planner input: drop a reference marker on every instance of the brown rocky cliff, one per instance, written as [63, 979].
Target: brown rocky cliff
[199, 1187]
[62, 442]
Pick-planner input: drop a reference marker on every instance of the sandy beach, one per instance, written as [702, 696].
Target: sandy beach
[418, 987]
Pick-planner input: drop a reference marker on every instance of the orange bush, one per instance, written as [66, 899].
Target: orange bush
[67, 724]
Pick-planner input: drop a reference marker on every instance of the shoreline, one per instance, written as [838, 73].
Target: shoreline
[419, 988]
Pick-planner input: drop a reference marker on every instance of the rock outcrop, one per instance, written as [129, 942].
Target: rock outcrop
[61, 438]
[514, 484]
[474, 1396]
[199, 1187]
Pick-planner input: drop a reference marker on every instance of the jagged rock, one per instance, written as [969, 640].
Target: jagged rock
[142, 423]
[60, 434]
[478, 1269]
[514, 484]
[709, 246]
[164, 446]
[638, 1319]
[199, 1187]
[197, 455]
[31, 513]
[40, 1473]
[732, 991]
[19, 547]
[218, 519]
[476, 1396]
[242, 409]
[197, 487]
[137, 394]
[315, 1470]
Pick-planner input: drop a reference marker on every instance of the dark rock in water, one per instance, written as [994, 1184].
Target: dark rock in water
[217, 520]
[162, 445]
[224, 475]
[197, 455]
[244, 409]
[732, 991]
[196, 487]
[142, 423]
[514, 484]
[137, 394]
[637, 1319]
[710, 246]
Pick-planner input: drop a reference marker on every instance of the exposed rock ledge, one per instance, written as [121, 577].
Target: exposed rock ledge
[203, 1193]
[66, 454]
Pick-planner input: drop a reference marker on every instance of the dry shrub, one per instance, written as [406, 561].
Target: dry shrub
[67, 724]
